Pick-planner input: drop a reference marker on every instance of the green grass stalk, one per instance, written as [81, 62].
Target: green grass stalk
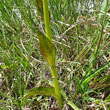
[46, 20]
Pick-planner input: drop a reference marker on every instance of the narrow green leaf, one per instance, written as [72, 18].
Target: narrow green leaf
[5, 95]
[6, 66]
[47, 48]
[73, 105]
[40, 8]
[95, 73]
[41, 91]
[7, 102]
[104, 6]
[107, 99]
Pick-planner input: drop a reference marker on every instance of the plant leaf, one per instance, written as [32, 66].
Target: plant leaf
[42, 90]
[6, 66]
[104, 6]
[73, 105]
[40, 8]
[47, 48]
[95, 73]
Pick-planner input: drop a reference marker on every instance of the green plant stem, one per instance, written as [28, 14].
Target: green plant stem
[49, 36]
[55, 81]
[46, 20]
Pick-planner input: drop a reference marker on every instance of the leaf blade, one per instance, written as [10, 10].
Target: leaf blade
[47, 48]
[42, 90]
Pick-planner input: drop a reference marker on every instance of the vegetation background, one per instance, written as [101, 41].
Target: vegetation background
[81, 34]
